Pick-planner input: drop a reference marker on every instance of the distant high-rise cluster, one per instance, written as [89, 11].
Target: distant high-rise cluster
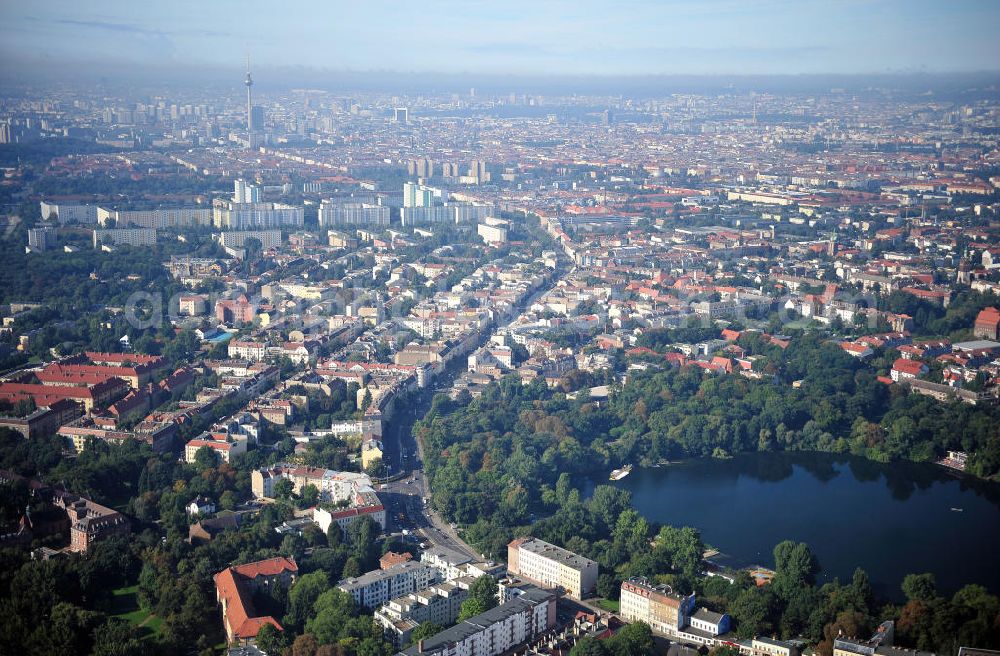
[418, 195]
[247, 211]
[245, 193]
[422, 168]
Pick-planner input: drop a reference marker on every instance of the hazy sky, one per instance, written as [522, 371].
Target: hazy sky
[612, 37]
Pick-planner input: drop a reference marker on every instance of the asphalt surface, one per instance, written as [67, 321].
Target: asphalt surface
[404, 499]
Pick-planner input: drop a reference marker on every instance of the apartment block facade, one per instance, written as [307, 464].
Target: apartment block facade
[500, 630]
[377, 587]
[551, 566]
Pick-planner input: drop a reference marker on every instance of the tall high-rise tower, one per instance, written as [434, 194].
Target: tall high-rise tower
[249, 83]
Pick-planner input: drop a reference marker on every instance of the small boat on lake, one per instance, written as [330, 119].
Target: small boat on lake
[619, 474]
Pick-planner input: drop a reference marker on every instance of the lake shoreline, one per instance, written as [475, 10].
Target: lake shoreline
[891, 519]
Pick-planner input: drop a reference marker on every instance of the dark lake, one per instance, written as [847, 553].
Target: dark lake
[890, 519]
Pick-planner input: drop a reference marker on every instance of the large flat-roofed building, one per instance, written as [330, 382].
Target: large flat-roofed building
[240, 216]
[64, 213]
[492, 234]
[41, 239]
[424, 214]
[128, 236]
[462, 212]
[499, 630]
[439, 603]
[552, 566]
[332, 213]
[180, 217]
[377, 587]
[418, 195]
[237, 238]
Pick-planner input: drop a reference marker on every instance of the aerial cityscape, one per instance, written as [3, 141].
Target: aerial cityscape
[552, 329]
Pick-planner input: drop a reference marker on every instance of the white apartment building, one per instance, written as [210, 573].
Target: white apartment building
[424, 214]
[497, 631]
[247, 350]
[245, 193]
[470, 212]
[332, 485]
[237, 239]
[68, 213]
[439, 603]
[347, 516]
[551, 566]
[377, 587]
[223, 448]
[241, 216]
[332, 213]
[130, 236]
[456, 565]
[492, 234]
[158, 218]
[418, 195]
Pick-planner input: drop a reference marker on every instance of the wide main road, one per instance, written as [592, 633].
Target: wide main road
[408, 499]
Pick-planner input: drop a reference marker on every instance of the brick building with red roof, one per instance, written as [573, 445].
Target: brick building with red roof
[987, 324]
[903, 369]
[234, 588]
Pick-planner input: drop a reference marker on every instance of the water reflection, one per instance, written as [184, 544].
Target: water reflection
[891, 519]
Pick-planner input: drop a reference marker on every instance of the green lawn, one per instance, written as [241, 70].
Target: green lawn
[608, 604]
[126, 607]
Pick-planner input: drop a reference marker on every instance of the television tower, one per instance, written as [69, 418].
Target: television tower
[249, 83]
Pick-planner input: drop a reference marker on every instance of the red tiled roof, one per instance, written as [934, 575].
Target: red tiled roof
[913, 367]
[270, 567]
[988, 317]
[239, 607]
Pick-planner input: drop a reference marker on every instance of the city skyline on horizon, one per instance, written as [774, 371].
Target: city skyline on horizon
[639, 38]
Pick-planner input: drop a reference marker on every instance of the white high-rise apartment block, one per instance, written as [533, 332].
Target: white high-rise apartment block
[130, 236]
[418, 195]
[68, 213]
[469, 212]
[332, 213]
[242, 216]
[156, 219]
[237, 239]
[245, 193]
